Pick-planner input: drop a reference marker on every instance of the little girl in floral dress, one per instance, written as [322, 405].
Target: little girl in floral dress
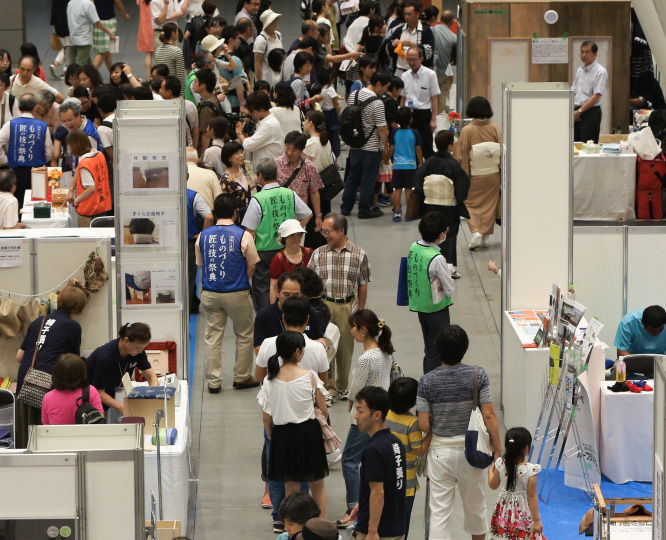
[516, 515]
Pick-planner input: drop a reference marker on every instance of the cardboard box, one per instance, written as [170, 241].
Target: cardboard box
[166, 530]
[146, 408]
[39, 181]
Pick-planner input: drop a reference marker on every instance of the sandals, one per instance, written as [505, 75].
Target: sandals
[344, 523]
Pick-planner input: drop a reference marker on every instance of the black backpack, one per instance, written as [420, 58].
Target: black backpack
[86, 413]
[351, 123]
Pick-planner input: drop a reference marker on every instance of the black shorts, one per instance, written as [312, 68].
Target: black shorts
[403, 178]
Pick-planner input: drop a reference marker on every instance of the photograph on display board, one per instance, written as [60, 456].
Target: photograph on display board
[145, 287]
[148, 227]
[149, 172]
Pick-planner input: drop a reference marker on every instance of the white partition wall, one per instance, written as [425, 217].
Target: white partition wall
[658, 491]
[646, 261]
[150, 184]
[537, 188]
[599, 275]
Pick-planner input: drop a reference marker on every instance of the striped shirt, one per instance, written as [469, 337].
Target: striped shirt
[172, 56]
[342, 272]
[446, 393]
[373, 115]
[406, 428]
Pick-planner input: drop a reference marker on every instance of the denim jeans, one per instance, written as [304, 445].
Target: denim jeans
[363, 171]
[351, 459]
[276, 489]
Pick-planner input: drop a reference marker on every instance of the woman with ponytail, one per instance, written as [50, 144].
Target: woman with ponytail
[517, 512]
[296, 450]
[169, 54]
[373, 368]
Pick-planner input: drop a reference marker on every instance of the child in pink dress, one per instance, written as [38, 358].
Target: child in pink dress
[516, 515]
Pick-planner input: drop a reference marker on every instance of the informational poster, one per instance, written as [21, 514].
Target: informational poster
[150, 287]
[11, 253]
[149, 226]
[550, 51]
[573, 472]
[150, 172]
[571, 313]
[527, 323]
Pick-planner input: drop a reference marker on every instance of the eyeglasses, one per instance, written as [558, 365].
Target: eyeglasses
[326, 233]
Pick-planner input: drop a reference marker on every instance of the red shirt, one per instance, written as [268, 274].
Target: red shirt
[280, 264]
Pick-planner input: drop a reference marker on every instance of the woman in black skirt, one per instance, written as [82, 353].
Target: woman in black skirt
[287, 398]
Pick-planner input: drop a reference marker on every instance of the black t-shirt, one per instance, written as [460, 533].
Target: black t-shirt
[244, 52]
[92, 114]
[268, 323]
[60, 134]
[383, 460]
[59, 335]
[390, 110]
[106, 367]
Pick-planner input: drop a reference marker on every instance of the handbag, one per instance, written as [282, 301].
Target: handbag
[36, 382]
[331, 441]
[56, 44]
[332, 181]
[414, 203]
[396, 370]
[644, 143]
[478, 448]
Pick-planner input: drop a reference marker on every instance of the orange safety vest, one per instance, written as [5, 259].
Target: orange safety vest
[100, 201]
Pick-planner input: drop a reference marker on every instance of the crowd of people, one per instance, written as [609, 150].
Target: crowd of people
[266, 128]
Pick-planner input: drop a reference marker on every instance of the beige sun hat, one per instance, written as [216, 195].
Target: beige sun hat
[268, 17]
[210, 43]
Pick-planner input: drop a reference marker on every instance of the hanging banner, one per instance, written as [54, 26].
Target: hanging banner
[11, 253]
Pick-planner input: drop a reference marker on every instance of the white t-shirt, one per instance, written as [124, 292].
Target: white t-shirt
[264, 44]
[9, 210]
[106, 133]
[289, 402]
[290, 119]
[321, 155]
[87, 179]
[314, 355]
[329, 94]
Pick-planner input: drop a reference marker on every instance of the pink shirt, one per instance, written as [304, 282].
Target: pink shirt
[59, 406]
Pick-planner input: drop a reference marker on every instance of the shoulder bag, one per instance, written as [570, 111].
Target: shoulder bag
[294, 174]
[36, 382]
[333, 184]
[478, 447]
[331, 441]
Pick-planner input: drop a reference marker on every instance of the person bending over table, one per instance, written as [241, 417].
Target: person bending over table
[108, 364]
[642, 332]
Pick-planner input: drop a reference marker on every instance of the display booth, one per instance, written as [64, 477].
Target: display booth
[512, 41]
[150, 178]
[32, 266]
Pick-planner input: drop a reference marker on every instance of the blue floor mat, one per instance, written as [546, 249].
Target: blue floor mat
[567, 506]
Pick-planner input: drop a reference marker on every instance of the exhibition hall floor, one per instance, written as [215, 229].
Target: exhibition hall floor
[227, 429]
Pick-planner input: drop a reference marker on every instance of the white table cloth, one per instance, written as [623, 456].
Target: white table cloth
[175, 465]
[58, 220]
[627, 433]
[604, 186]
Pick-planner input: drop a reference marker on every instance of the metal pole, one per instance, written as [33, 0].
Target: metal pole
[158, 417]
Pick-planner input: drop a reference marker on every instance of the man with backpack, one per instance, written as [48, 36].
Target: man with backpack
[363, 127]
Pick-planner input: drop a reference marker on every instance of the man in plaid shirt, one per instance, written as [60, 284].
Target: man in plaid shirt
[345, 271]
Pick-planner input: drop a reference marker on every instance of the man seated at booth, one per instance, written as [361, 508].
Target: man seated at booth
[642, 332]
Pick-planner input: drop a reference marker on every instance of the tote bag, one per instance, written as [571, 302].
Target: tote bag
[644, 143]
[478, 448]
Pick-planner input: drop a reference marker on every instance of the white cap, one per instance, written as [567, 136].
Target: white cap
[289, 227]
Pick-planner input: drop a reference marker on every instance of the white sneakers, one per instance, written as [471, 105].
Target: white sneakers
[476, 241]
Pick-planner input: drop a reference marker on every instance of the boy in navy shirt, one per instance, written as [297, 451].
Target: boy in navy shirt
[380, 512]
[405, 149]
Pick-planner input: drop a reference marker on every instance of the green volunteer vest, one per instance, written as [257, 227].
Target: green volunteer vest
[418, 282]
[277, 205]
[188, 82]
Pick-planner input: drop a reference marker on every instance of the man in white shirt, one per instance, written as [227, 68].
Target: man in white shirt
[267, 141]
[8, 103]
[589, 86]
[9, 208]
[411, 34]
[81, 16]
[295, 317]
[420, 95]
[25, 81]
[106, 104]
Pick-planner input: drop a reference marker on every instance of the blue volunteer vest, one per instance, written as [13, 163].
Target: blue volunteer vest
[90, 130]
[27, 143]
[193, 226]
[224, 267]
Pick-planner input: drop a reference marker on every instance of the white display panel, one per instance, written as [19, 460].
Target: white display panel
[659, 449]
[598, 268]
[509, 62]
[646, 261]
[537, 192]
[38, 486]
